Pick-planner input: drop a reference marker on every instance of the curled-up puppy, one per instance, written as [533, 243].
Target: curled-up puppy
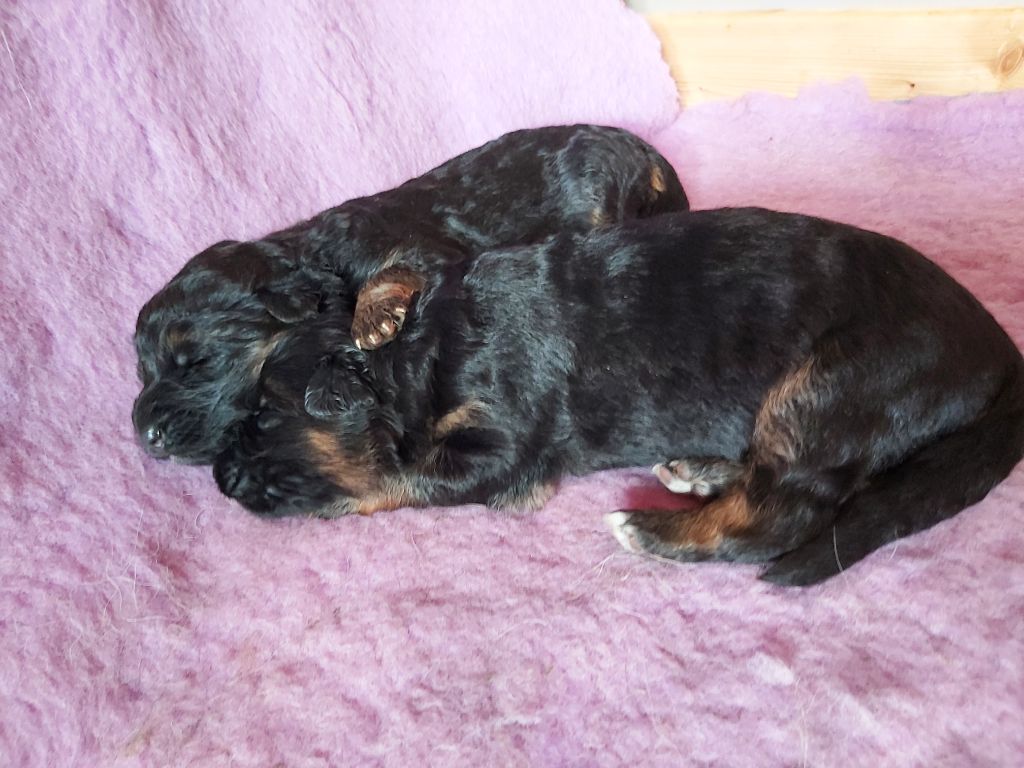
[202, 340]
[826, 389]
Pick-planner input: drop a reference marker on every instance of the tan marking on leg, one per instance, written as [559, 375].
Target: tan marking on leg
[725, 516]
[776, 428]
[466, 415]
[658, 180]
[395, 494]
[535, 497]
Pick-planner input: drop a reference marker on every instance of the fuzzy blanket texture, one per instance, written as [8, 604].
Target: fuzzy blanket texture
[145, 620]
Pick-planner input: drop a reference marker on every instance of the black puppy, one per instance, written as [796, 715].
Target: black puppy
[203, 339]
[827, 388]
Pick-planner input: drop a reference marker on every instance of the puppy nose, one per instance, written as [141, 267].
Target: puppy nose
[154, 440]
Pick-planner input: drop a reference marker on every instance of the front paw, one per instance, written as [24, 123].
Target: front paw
[244, 478]
[686, 536]
[377, 322]
[382, 306]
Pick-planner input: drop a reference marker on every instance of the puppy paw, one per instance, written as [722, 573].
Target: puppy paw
[652, 533]
[701, 477]
[624, 533]
[241, 477]
[378, 322]
[720, 530]
[382, 306]
[271, 488]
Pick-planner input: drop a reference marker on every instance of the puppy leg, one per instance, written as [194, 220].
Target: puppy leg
[752, 522]
[935, 483]
[383, 304]
[788, 490]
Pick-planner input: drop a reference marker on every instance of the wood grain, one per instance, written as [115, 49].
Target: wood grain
[898, 54]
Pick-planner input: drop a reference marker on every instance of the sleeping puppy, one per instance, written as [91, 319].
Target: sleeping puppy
[203, 339]
[826, 389]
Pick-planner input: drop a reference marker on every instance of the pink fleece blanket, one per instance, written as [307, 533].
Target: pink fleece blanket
[144, 620]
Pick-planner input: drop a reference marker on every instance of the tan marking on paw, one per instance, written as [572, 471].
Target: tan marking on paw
[717, 519]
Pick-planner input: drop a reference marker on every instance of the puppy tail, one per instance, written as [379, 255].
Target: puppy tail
[938, 481]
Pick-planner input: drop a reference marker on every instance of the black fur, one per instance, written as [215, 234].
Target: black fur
[202, 340]
[838, 388]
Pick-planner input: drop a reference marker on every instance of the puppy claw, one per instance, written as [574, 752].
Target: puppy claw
[379, 318]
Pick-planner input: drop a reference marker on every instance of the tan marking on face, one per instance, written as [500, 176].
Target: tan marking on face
[175, 337]
[658, 180]
[469, 414]
[599, 217]
[777, 430]
[355, 474]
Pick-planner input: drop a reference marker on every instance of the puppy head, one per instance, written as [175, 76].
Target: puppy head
[202, 340]
[289, 458]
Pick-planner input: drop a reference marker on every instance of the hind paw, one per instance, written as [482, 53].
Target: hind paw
[654, 533]
[701, 477]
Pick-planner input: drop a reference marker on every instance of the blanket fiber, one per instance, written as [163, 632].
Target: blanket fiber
[145, 620]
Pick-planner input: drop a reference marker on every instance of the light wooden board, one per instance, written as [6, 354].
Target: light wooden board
[898, 54]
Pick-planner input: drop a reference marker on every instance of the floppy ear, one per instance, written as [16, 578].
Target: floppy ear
[293, 297]
[339, 383]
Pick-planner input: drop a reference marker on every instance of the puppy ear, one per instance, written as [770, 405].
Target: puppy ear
[340, 383]
[292, 298]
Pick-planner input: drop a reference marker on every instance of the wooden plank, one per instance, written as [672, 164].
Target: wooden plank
[898, 54]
